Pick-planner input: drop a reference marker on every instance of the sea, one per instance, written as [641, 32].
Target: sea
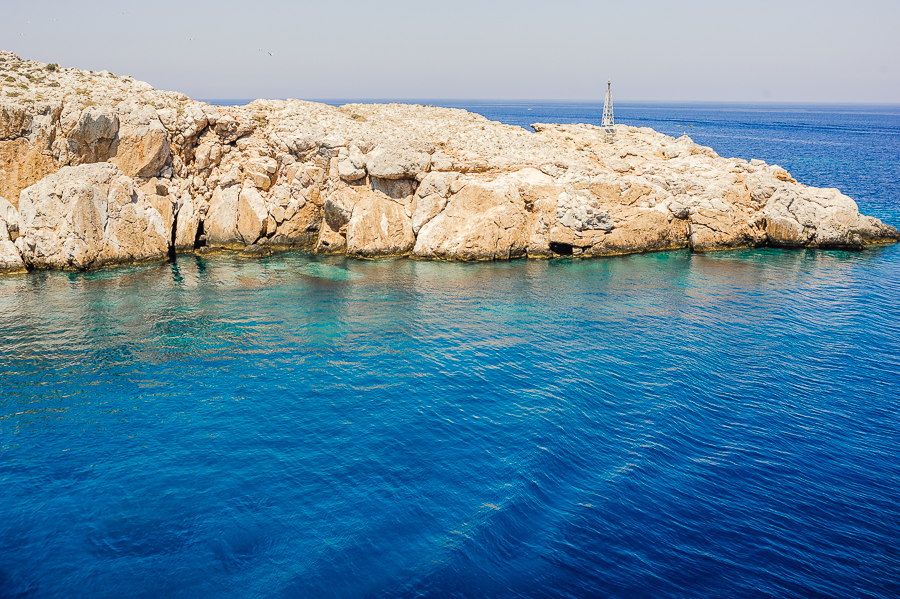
[662, 425]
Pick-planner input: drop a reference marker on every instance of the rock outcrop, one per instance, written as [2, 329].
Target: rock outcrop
[85, 217]
[99, 169]
[10, 260]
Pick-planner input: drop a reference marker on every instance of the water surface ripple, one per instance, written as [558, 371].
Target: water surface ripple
[659, 425]
[669, 424]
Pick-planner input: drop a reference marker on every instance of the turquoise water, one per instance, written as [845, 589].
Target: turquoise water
[659, 425]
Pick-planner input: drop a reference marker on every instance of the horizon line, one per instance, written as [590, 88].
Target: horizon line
[548, 101]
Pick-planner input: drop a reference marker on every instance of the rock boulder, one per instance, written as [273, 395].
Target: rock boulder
[88, 216]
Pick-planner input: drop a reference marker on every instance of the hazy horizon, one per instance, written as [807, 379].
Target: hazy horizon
[695, 51]
[598, 101]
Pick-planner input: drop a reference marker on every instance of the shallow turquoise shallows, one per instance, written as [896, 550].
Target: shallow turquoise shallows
[659, 425]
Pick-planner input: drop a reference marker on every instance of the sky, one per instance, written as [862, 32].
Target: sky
[655, 51]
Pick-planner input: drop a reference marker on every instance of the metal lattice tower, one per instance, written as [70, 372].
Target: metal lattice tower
[609, 122]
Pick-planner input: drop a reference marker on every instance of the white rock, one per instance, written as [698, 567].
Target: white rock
[87, 216]
[396, 162]
[10, 260]
[349, 172]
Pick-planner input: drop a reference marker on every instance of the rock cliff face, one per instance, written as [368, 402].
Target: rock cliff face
[99, 169]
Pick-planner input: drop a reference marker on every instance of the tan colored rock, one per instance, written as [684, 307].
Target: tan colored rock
[221, 223]
[261, 172]
[208, 153]
[301, 226]
[431, 197]
[22, 164]
[359, 178]
[9, 220]
[379, 227]
[350, 172]
[10, 260]
[142, 145]
[426, 209]
[92, 136]
[187, 222]
[252, 214]
[88, 216]
[193, 120]
[820, 218]
[390, 161]
[230, 129]
[163, 205]
[649, 229]
[14, 121]
[712, 229]
[485, 220]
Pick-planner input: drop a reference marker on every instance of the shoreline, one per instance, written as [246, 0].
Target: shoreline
[157, 173]
[274, 252]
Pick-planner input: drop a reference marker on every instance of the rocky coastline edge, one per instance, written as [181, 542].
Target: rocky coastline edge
[98, 169]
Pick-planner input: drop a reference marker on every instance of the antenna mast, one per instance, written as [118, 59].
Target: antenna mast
[609, 122]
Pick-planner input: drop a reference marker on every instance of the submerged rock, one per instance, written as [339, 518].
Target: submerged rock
[369, 180]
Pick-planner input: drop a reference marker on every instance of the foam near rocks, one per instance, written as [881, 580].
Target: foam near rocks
[381, 179]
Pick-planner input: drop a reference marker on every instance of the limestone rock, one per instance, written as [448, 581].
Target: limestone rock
[142, 145]
[230, 129]
[208, 153]
[27, 135]
[712, 229]
[426, 209]
[379, 226]
[10, 260]
[92, 135]
[648, 229]
[679, 210]
[187, 222]
[581, 213]
[252, 215]
[436, 183]
[88, 216]
[396, 162]
[261, 172]
[221, 224]
[350, 172]
[22, 164]
[14, 121]
[821, 218]
[336, 211]
[9, 220]
[485, 220]
[375, 179]
[300, 227]
[163, 205]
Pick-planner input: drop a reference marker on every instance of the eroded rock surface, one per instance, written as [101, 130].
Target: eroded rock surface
[87, 216]
[370, 180]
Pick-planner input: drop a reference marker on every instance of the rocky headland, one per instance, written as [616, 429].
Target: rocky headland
[99, 169]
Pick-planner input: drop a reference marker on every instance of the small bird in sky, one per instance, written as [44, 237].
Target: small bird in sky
[270, 54]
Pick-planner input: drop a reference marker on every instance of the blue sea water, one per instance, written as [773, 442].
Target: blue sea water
[658, 425]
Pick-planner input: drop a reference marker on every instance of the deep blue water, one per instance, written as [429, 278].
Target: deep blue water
[660, 425]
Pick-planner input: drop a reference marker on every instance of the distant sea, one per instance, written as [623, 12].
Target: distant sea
[654, 426]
